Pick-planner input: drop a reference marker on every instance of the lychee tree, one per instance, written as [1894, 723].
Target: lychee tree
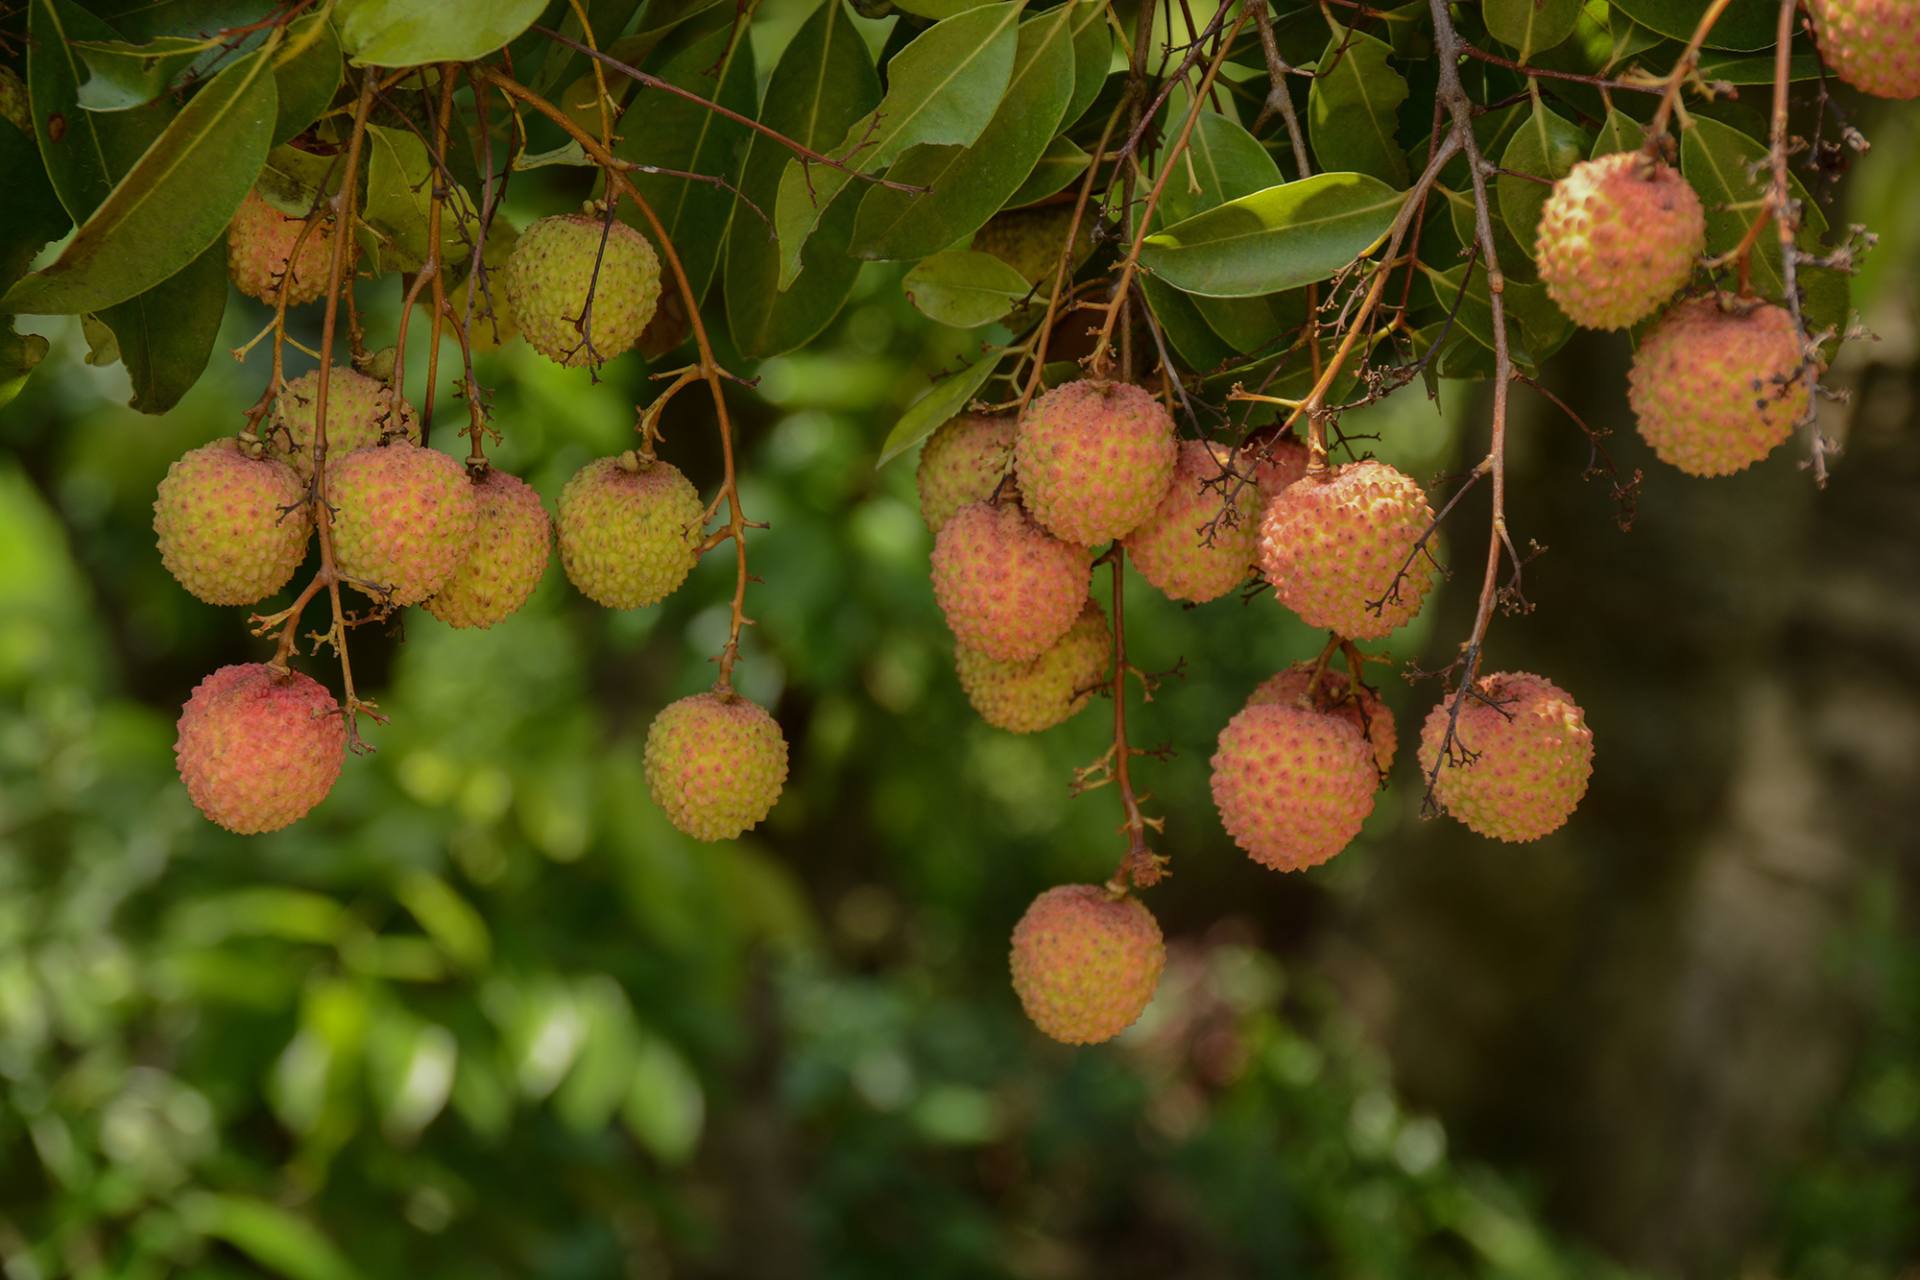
[1185, 244]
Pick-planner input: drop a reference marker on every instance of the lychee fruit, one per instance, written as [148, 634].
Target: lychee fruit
[511, 540]
[1519, 760]
[1199, 542]
[556, 263]
[231, 524]
[965, 461]
[259, 747]
[403, 520]
[1094, 459]
[1618, 236]
[260, 243]
[715, 763]
[1278, 462]
[1874, 45]
[1718, 384]
[1364, 711]
[1293, 781]
[360, 411]
[630, 530]
[1026, 697]
[1085, 962]
[1333, 543]
[1030, 241]
[1009, 588]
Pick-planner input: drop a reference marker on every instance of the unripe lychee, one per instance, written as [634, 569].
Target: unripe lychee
[1199, 542]
[403, 520]
[1026, 697]
[1009, 588]
[511, 540]
[1365, 712]
[630, 530]
[1618, 235]
[553, 267]
[1718, 384]
[1085, 963]
[259, 747]
[1874, 45]
[1030, 241]
[1520, 757]
[1094, 459]
[231, 527]
[1333, 543]
[1278, 462]
[260, 240]
[1293, 782]
[964, 461]
[360, 412]
[715, 763]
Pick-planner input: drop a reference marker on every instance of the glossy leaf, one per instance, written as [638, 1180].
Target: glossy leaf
[1746, 24]
[1287, 236]
[123, 74]
[85, 152]
[1619, 132]
[1547, 147]
[400, 198]
[1224, 162]
[1530, 26]
[406, 33]
[964, 288]
[948, 396]
[1059, 166]
[1352, 109]
[307, 71]
[1092, 58]
[166, 334]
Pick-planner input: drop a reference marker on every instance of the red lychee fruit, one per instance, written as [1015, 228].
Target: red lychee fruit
[1365, 711]
[360, 411]
[231, 525]
[715, 763]
[511, 540]
[1199, 542]
[259, 242]
[1718, 384]
[965, 461]
[1618, 236]
[1086, 962]
[1519, 760]
[554, 265]
[1333, 543]
[1026, 697]
[259, 747]
[1009, 589]
[1293, 781]
[1094, 459]
[1874, 45]
[403, 520]
[630, 530]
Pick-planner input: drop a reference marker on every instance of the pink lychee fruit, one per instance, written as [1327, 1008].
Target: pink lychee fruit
[511, 540]
[260, 243]
[1339, 543]
[1199, 542]
[1293, 781]
[1278, 462]
[231, 524]
[1618, 236]
[630, 530]
[965, 461]
[1874, 45]
[259, 747]
[1009, 589]
[1026, 697]
[360, 411]
[1519, 759]
[1085, 962]
[1718, 384]
[715, 763]
[403, 520]
[1094, 459]
[1364, 711]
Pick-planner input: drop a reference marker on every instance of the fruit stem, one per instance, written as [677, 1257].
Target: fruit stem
[1682, 68]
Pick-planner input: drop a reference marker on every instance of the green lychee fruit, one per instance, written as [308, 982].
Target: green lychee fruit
[630, 530]
[1030, 241]
[1199, 542]
[511, 540]
[403, 520]
[1520, 757]
[715, 763]
[549, 276]
[260, 242]
[1094, 459]
[1618, 236]
[360, 411]
[1293, 782]
[1086, 962]
[1026, 697]
[1718, 384]
[964, 461]
[1332, 543]
[1364, 711]
[259, 747]
[14, 104]
[1009, 589]
[231, 526]
[1874, 45]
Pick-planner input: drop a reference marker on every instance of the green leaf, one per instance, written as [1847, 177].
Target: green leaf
[1547, 147]
[1185, 329]
[964, 288]
[448, 918]
[1535, 326]
[124, 74]
[1092, 58]
[1737, 68]
[86, 152]
[293, 180]
[661, 19]
[400, 198]
[1058, 167]
[19, 353]
[1352, 106]
[947, 397]
[1281, 238]
[307, 70]
[1620, 132]
[1223, 162]
[1746, 24]
[167, 333]
[407, 33]
[174, 202]
[411, 1067]
[1530, 26]
[665, 1107]
[31, 215]
[279, 1241]
[967, 185]
[934, 9]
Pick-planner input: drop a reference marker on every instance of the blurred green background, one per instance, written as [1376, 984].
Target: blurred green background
[485, 1014]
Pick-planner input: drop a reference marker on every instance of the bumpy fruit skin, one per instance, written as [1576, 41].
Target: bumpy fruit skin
[1009, 589]
[1026, 697]
[1518, 767]
[511, 540]
[1292, 783]
[964, 461]
[1196, 545]
[1874, 45]
[1278, 463]
[715, 763]
[403, 520]
[1030, 240]
[1094, 459]
[1716, 386]
[259, 242]
[360, 412]
[14, 106]
[1331, 544]
[1085, 964]
[1618, 236]
[258, 748]
[1366, 712]
[550, 272]
[629, 530]
[231, 528]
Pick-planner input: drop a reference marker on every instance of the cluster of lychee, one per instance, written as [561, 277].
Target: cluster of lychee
[260, 745]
